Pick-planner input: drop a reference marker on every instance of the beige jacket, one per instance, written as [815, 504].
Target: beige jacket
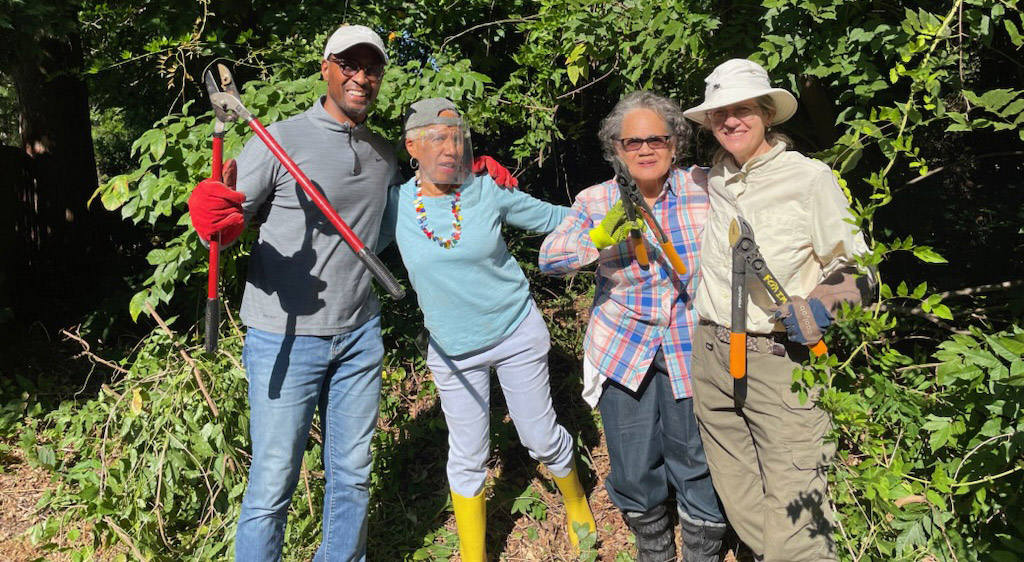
[799, 216]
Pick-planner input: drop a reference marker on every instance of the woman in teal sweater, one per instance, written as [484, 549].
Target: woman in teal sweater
[477, 307]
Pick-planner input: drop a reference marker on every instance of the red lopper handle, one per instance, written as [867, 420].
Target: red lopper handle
[212, 300]
[376, 268]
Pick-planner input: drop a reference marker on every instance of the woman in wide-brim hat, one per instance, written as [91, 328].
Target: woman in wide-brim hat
[769, 456]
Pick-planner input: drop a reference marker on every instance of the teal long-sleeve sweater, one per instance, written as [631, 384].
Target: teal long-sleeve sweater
[473, 294]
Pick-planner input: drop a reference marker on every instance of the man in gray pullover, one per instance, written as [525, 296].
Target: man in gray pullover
[314, 335]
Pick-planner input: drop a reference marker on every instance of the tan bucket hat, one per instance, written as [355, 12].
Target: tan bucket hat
[736, 80]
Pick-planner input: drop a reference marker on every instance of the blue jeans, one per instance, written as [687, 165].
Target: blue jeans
[290, 377]
[653, 443]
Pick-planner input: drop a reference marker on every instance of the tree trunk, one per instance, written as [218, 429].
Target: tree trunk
[14, 171]
[56, 136]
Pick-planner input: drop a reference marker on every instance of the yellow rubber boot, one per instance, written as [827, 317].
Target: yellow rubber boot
[577, 510]
[471, 521]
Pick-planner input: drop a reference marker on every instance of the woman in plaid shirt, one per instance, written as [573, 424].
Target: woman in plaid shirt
[637, 345]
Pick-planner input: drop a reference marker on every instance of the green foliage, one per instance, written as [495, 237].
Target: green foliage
[924, 388]
[529, 503]
[932, 453]
[17, 405]
[9, 135]
[172, 158]
[147, 459]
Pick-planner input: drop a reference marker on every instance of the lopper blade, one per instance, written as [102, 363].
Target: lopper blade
[220, 86]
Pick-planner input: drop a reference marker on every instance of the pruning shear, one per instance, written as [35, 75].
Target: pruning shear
[228, 107]
[746, 257]
[633, 202]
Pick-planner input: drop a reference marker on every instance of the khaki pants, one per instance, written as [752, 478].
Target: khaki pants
[768, 462]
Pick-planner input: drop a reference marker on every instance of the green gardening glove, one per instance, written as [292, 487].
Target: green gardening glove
[614, 228]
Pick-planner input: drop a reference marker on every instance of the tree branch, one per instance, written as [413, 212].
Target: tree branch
[934, 171]
[451, 38]
[87, 351]
[615, 65]
[991, 288]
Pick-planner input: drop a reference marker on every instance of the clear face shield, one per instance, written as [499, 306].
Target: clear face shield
[444, 151]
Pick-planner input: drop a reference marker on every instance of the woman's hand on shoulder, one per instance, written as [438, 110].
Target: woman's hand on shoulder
[699, 175]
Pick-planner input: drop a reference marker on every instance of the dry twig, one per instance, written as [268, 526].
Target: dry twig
[87, 351]
[126, 538]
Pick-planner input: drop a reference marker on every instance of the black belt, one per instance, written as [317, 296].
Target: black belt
[774, 343]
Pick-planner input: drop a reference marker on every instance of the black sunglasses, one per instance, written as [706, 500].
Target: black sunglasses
[655, 141]
[351, 68]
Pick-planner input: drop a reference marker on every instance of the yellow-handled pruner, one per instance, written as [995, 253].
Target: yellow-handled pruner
[747, 258]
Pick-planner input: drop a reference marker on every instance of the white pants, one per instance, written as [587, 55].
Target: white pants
[464, 383]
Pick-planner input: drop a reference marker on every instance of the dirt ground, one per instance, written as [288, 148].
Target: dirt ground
[21, 486]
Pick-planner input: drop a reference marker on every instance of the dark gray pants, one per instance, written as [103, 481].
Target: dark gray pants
[654, 443]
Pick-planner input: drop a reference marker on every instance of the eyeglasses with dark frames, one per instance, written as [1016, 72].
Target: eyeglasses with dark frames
[656, 142]
[351, 68]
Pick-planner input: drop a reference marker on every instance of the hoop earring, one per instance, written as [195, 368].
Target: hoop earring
[414, 163]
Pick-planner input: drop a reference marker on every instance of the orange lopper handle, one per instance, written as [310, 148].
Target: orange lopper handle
[819, 348]
[641, 252]
[738, 354]
[673, 257]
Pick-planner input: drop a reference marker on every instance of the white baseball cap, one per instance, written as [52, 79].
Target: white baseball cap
[736, 80]
[348, 36]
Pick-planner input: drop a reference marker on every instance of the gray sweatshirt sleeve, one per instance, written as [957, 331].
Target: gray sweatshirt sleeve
[258, 173]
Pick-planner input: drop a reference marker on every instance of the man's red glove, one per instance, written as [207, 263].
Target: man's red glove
[216, 208]
[499, 173]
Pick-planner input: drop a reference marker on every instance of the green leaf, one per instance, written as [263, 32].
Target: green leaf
[1008, 348]
[1013, 32]
[982, 358]
[992, 427]
[574, 73]
[927, 255]
[885, 291]
[115, 193]
[138, 304]
[1016, 373]
[920, 290]
[935, 423]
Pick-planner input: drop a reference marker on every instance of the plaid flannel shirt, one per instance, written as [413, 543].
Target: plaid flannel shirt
[636, 311]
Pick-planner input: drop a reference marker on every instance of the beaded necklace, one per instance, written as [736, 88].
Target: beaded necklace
[421, 216]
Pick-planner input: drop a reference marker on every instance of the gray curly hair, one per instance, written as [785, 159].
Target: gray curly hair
[668, 110]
